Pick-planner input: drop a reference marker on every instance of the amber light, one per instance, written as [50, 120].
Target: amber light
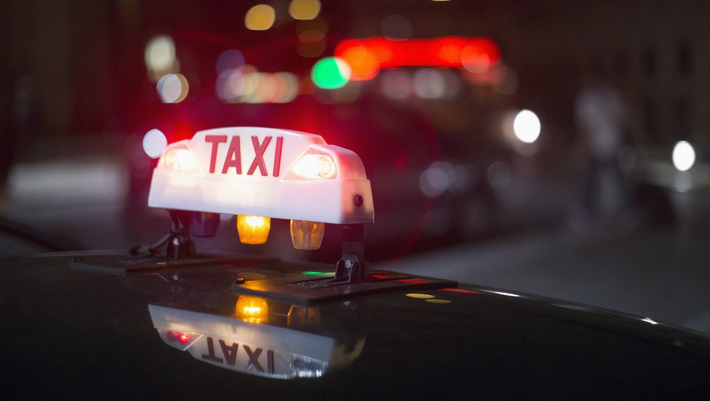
[307, 235]
[252, 309]
[253, 229]
[304, 316]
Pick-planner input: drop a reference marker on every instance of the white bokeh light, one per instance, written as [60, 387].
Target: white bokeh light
[683, 156]
[172, 88]
[526, 126]
[160, 53]
[154, 142]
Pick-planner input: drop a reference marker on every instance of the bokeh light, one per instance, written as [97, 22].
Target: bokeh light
[304, 9]
[475, 59]
[154, 142]
[260, 17]
[683, 156]
[331, 73]
[160, 53]
[248, 85]
[436, 179]
[160, 57]
[526, 126]
[311, 37]
[396, 27]
[396, 84]
[229, 60]
[364, 64]
[383, 53]
[452, 83]
[429, 83]
[172, 88]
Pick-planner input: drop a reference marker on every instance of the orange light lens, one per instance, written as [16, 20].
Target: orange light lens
[253, 229]
[307, 235]
[252, 309]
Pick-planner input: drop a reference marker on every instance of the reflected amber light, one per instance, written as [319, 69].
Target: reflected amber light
[253, 229]
[420, 296]
[252, 309]
[304, 316]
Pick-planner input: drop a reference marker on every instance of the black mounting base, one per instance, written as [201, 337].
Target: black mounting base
[177, 244]
[352, 266]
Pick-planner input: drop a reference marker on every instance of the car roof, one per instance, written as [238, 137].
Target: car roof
[93, 333]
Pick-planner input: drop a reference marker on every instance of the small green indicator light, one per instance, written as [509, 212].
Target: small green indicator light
[330, 73]
[310, 273]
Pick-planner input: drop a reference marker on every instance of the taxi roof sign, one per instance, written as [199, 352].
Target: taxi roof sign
[265, 172]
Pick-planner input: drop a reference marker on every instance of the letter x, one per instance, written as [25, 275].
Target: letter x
[253, 358]
[259, 150]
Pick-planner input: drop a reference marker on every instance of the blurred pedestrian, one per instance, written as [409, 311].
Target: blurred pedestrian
[600, 115]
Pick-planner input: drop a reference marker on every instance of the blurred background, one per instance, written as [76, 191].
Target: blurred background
[480, 125]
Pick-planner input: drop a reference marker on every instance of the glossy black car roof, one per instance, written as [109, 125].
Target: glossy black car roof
[69, 333]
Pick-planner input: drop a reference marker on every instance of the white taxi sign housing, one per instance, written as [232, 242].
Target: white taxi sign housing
[264, 172]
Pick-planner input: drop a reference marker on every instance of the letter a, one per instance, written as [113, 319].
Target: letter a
[234, 156]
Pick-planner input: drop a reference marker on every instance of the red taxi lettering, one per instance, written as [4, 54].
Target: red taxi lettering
[229, 352]
[270, 361]
[215, 140]
[210, 352]
[234, 154]
[253, 358]
[259, 149]
[277, 155]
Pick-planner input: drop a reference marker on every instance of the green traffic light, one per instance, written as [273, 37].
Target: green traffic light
[330, 73]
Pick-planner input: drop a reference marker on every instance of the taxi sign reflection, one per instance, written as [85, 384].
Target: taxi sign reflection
[247, 346]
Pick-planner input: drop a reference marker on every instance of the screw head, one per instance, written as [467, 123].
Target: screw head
[358, 200]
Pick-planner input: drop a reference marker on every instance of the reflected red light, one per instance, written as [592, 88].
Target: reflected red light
[183, 338]
[410, 281]
[367, 56]
[460, 291]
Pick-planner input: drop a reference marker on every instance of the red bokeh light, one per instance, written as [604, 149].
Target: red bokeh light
[367, 56]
